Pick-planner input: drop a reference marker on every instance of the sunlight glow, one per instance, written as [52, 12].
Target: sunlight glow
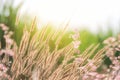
[79, 12]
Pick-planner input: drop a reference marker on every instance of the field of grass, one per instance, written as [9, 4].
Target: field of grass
[28, 53]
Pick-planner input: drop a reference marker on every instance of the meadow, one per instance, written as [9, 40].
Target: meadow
[29, 53]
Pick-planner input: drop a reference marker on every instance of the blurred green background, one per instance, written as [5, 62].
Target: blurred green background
[9, 14]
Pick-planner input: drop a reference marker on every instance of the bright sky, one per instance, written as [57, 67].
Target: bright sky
[80, 12]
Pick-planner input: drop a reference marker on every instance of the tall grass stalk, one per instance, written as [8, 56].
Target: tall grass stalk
[34, 59]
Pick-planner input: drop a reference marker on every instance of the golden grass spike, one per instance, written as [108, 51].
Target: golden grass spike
[56, 33]
[34, 54]
[90, 53]
[49, 37]
[94, 49]
[86, 51]
[33, 42]
[99, 53]
[24, 43]
[33, 25]
[61, 35]
[43, 33]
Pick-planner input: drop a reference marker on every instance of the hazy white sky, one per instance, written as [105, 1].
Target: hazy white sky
[80, 12]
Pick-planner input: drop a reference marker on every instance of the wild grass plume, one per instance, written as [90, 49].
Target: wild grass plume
[35, 59]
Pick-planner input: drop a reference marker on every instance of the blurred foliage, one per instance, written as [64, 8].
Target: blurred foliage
[87, 38]
[9, 13]
[9, 16]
